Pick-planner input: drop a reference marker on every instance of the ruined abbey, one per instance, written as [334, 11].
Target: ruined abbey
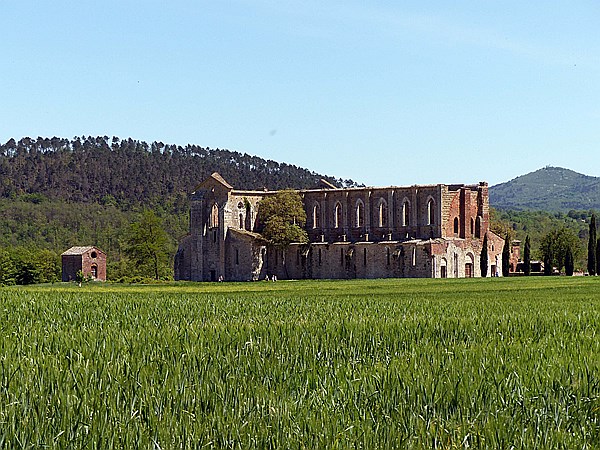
[432, 231]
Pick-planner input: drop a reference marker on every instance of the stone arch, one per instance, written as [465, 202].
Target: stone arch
[359, 213]
[430, 211]
[443, 267]
[405, 212]
[337, 215]
[214, 216]
[382, 213]
[316, 215]
[469, 265]
[478, 227]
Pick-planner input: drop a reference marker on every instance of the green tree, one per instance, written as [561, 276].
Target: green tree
[569, 262]
[147, 246]
[483, 258]
[555, 245]
[527, 257]
[282, 217]
[506, 256]
[592, 256]
[547, 264]
[8, 269]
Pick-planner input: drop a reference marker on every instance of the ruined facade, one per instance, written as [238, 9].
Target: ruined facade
[433, 231]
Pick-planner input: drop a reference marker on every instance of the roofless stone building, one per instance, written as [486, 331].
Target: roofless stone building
[432, 231]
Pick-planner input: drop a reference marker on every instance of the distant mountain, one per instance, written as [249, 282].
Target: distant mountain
[549, 189]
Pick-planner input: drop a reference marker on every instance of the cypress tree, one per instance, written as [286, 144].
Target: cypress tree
[527, 257]
[597, 256]
[506, 257]
[547, 264]
[592, 246]
[569, 263]
[483, 260]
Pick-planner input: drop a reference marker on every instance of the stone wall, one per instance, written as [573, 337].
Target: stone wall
[353, 233]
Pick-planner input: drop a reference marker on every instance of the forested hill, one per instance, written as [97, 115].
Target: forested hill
[106, 170]
[548, 189]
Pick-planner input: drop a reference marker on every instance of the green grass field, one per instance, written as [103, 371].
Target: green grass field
[479, 363]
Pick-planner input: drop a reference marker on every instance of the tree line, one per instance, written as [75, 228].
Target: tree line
[558, 239]
[561, 240]
[128, 172]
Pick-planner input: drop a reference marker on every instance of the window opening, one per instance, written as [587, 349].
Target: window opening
[430, 212]
[359, 214]
[383, 212]
[214, 216]
[338, 215]
[316, 214]
[405, 214]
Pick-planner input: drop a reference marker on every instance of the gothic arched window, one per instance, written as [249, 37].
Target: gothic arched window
[405, 213]
[359, 214]
[337, 215]
[383, 213]
[316, 216]
[430, 212]
[214, 216]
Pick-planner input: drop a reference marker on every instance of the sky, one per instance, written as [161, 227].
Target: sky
[380, 92]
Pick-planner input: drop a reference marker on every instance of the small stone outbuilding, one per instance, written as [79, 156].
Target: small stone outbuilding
[90, 260]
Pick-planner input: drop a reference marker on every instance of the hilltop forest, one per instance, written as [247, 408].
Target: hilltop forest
[56, 193]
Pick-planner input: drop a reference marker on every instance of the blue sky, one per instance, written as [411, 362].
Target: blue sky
[383, 92]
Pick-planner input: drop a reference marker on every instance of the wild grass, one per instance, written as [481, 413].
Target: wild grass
[483, 363]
